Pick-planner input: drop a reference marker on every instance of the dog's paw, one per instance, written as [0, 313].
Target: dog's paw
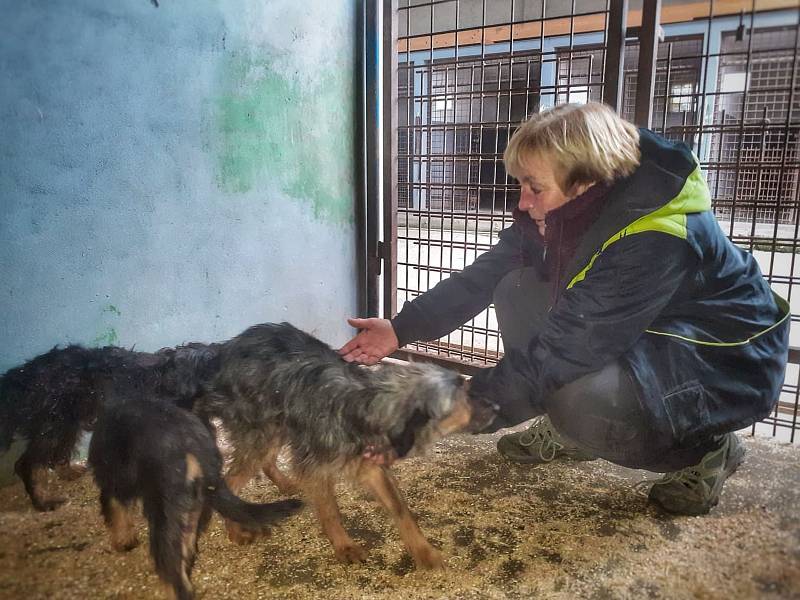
[71, 472]
[350, 553]
[125, 544]
[239, 535]
[48, 503]
[428, 558]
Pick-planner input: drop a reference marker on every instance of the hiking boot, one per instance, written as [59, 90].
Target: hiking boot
[695, 490]
[540, 443]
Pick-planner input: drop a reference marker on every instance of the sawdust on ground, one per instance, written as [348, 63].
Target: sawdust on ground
[563, 530]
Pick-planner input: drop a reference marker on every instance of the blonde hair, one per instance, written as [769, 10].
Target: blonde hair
[585, 142]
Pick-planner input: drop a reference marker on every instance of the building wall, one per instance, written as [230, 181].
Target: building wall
[176, 172]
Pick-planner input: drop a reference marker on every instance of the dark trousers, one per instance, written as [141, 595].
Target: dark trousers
[601, 412]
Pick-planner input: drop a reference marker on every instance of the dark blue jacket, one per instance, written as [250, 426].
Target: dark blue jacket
[653, 283]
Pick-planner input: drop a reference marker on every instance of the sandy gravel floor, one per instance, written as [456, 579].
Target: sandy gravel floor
[565, 530]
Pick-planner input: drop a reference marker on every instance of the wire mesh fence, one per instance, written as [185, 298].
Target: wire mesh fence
[469, 71]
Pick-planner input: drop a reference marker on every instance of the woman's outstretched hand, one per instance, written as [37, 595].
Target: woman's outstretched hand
[375, 340]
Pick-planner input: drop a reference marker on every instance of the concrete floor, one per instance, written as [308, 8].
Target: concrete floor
[564, 530]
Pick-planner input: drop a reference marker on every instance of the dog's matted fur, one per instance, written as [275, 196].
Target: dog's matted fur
[154, 451]
[51, 398]
[278, 387]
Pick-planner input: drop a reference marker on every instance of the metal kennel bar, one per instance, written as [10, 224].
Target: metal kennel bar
[468, 73]
[724, 79]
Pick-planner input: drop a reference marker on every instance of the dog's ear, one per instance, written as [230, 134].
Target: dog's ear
[404, 441]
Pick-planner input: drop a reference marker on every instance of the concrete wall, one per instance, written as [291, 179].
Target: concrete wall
[174, 173]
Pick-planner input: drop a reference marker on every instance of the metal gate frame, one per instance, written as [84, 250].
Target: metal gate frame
[382, 153]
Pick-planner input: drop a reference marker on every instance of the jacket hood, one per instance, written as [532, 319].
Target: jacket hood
[663, 160]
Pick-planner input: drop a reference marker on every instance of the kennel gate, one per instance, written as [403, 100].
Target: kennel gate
[460, 75]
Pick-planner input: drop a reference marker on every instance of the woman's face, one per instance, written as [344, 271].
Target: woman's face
[541, 191]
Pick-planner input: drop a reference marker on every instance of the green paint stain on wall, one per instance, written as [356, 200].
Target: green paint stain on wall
[112, 309]
[108, 338]
[298, 135]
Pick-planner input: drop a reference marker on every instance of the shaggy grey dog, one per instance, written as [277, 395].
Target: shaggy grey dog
[280, 388]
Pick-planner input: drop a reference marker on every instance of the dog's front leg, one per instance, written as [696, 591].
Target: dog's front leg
[382, 485]
[320, 491]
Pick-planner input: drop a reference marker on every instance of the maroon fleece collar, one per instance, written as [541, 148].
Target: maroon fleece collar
[589, 202]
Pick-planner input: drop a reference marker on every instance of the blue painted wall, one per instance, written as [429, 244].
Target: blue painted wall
[175, 173]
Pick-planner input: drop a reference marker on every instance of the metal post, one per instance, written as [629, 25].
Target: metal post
[359, 120]
[373, 147]
[648, 53]
[389, 109]
[615, 54]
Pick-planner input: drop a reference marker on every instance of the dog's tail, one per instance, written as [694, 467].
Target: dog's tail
[248, 514]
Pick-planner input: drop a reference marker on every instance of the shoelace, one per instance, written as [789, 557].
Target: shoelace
[689, 477]
[539, 431]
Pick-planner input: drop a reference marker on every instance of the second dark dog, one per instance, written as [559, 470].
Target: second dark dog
[50, 399]
[165, 456]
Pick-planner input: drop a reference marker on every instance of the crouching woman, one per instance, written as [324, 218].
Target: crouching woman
[633, 328]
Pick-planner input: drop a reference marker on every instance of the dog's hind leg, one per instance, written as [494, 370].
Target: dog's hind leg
[382, 485]
[320, 491]
[191, 531]
[170, 546]
[119, 520]
[283, 482]
[205, 518]
[196, 518]
[175, 514]
[34, 478]
[239, 475]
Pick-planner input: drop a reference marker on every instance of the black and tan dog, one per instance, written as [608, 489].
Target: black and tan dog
[50, 399]
[154, 451]
[278, 387]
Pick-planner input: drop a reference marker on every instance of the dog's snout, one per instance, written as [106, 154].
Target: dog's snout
[482, 417]
[483, 411]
